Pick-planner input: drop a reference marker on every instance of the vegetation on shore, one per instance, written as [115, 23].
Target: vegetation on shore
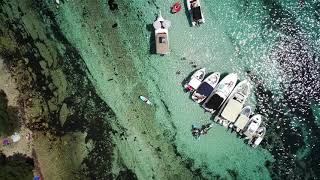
[8, 116]
[16, 167]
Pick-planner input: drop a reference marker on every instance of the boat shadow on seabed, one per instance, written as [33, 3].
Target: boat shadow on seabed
[152, 44]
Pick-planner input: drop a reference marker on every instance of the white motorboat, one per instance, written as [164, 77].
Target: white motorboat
[242, 119]
[206, 87]
[258, 137]
[195, 80]
[221, 93]
[161, 27]
[232, 107]
[195, 11]
[253, 126]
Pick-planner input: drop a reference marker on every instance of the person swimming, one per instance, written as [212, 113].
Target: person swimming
[197, 132]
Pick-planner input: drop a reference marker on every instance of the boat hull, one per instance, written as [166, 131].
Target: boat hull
[206, 87]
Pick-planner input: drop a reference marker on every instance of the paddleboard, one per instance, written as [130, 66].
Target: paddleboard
[145, 100]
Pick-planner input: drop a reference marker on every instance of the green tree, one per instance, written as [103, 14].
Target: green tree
[16, 167]
[8, 116]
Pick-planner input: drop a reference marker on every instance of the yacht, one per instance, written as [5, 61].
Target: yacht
[232, 108]
[221, 93]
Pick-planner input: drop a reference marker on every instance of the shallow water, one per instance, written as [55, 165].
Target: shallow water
[275, 41]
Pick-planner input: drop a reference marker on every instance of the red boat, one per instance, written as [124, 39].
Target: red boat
[176, 8]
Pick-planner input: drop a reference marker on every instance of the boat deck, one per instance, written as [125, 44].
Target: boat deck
[162, 43]
[241, 122]
[231, 110]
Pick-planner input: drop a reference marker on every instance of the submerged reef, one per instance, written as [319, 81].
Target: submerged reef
[64, 102]
[56, 95]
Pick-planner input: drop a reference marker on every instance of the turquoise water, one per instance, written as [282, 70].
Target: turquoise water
[274, 43]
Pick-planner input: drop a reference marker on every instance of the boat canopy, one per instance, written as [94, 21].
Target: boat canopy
[205, 89]
[196, 13]
[232, 110]
[214, 102]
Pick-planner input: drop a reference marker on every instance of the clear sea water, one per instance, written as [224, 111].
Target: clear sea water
[276, 41]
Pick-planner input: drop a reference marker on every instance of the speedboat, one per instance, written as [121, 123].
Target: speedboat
[206, 87]
[195, 80]
[253, 126]
[232, 108]
[161, 27]
[195, 12]
[258, 137]
[221, 93]
[242, 119]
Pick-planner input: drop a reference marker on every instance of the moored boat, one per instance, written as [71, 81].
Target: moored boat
[253, 125]
[195, 11]
[195, 80]
[232, 108]
[206, 87]
[161, 27]
[221, 93]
